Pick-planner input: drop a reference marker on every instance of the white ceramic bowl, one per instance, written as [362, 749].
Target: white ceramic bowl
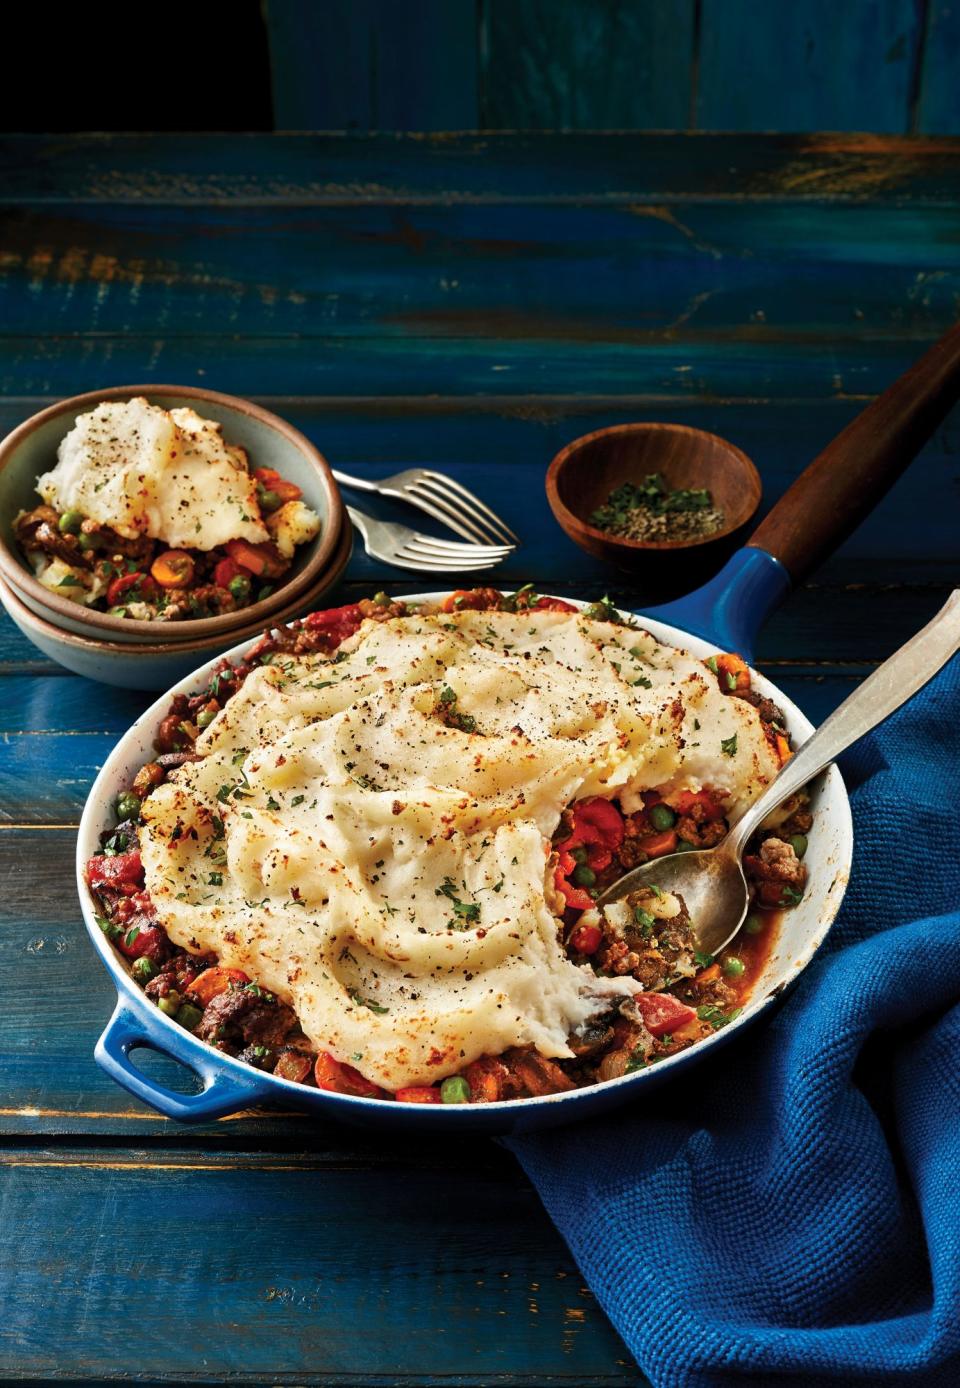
[230, 1084]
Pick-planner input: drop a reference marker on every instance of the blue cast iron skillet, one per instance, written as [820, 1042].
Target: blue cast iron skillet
[821, 508]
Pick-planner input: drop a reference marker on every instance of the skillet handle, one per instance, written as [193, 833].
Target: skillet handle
[222, 1093]
[843, 484]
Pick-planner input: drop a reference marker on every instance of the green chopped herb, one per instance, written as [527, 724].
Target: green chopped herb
[361, 1001]
[728, 746]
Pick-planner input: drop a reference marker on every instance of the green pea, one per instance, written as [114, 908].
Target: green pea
[754, 924]
[128, 805]
[206, 716]
[189, 1016]
[143, 969]
[88, 542]
[578, 854]
[661, 817]
[70, 522]
[455, 1090]
[798, 842]
[684, 847]
[584, 876]
[382, 599]
[170, 1003]
[239, 586]
[269, 500]
[734, 967]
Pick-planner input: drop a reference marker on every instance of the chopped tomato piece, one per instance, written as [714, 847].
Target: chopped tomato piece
[418, 1094]
[212, 982]
[263, 561]
[552, 605]
[135, 587]
[141, 939]
[473, 600]
[336, 623]
[294, 1065]
[598, 827]
[662, 1012]
[687, 800]
[343, 1079]
[225, 571]
[733, 672]
[709, 974]
[656, 845]
[586, 939]
[577, 898]
[121, 873]
[173, 569]
[271, 481]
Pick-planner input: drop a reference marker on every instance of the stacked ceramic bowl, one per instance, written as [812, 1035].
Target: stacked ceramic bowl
[153, 654]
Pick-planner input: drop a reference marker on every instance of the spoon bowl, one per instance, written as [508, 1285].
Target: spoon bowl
[711, 882]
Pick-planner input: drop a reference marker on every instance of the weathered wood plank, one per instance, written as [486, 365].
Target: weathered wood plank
[574, 361]
[638, 274]
[938, 103]
[810, 66]
[366, 65]
[584, 65]
[303, 1275]
[611, 167]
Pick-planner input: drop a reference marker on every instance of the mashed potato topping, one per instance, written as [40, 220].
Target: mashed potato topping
[385, 867]
[167, 474]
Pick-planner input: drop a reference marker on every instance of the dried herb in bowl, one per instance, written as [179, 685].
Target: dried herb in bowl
[651, 510]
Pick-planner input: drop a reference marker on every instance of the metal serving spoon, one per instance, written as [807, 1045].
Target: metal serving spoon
[711, 880]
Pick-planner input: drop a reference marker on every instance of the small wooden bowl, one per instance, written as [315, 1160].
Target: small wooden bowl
[582, 476]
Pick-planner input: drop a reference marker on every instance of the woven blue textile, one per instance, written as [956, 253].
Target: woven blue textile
[791, 1208]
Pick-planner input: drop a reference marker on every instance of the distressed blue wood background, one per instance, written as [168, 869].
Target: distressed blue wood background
[472, 303]
[879, 65]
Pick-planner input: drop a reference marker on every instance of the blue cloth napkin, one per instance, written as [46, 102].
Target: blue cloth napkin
[791, 1208]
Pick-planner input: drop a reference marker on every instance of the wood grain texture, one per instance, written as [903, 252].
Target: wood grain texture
[633, 276]
[586, 64]
[374, 65]
[814, 65]
[609, 168]
[303, 1275]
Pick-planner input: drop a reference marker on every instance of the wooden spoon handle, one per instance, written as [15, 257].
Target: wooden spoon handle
[843, 484]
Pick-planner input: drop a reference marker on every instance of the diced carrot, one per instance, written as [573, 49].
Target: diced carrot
[330, 1074]
[733, 671]
[212, 982]
[656, 845]
[418, 1094]
[709, 974]
[687, 799]
[783, 748]
[263, 561]
[173, 569]
[271, 481]
[485, 1078]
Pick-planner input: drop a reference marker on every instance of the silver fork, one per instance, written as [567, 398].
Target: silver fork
[408, 549]
[442, 498]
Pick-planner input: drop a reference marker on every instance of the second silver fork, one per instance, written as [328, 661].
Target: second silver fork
[441, 497]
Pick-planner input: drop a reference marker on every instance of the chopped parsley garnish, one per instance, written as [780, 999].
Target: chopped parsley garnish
[215, 879]
[716, 1016]
[728, 746]
[361, 1001]
[465, 912]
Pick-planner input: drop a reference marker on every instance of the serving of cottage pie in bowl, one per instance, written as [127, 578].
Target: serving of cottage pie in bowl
[362, 856]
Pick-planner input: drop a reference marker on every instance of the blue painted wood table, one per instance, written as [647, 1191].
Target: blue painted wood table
[468, 302]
